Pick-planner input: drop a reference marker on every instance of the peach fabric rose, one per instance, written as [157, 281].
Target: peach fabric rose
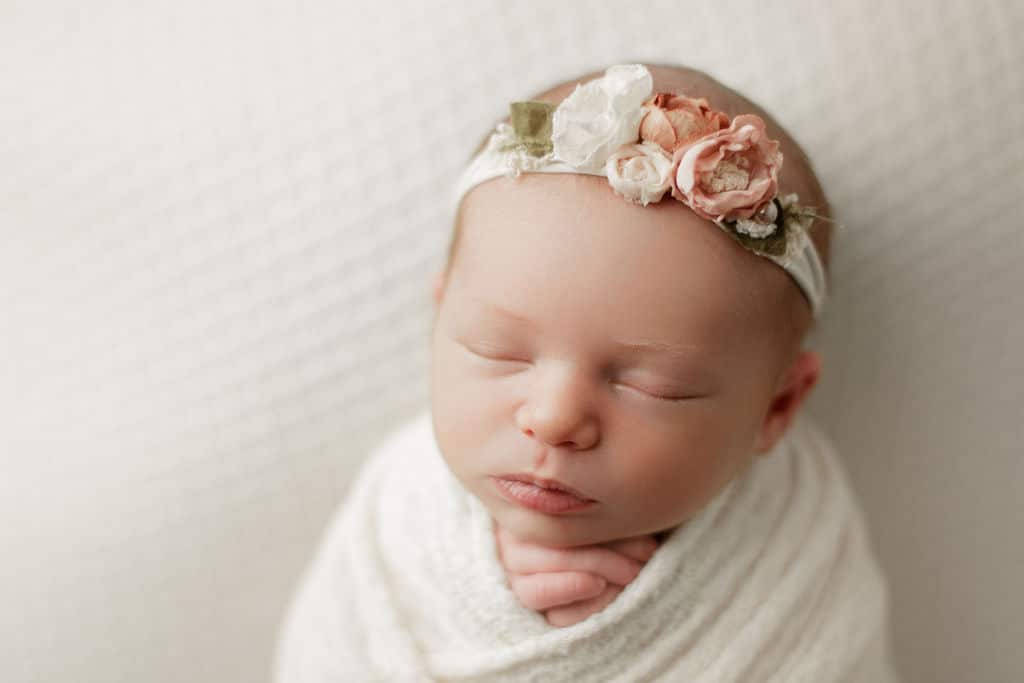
[730, 174]
[674, 121]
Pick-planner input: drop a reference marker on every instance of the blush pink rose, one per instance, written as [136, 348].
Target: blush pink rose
[730, 174]
[674, 121]
[642, 173]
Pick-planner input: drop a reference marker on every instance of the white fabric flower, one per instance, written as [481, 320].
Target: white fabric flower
[642, 173]
[600, 116]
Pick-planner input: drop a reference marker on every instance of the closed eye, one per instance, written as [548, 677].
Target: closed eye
[661, 394]
[493, 355]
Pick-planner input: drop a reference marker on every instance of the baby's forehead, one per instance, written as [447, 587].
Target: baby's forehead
[542, 212]
[548, 240]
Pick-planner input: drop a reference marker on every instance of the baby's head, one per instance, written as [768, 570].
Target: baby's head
[638, 354]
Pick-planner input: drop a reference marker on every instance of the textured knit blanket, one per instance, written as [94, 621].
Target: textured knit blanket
[773, 580]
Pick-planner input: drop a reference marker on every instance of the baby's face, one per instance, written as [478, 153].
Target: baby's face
[619, 349]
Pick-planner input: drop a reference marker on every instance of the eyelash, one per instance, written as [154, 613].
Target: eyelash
[494, 359]
[647, 394]
[657, 396]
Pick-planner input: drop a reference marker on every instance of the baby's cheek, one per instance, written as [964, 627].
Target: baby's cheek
[673, 476]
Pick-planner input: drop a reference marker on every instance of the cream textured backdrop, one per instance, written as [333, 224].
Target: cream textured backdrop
[218, 221]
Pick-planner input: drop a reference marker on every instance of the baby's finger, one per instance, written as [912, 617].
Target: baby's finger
[571, 614]
[550, 589]
[640, 548]
[528, 558]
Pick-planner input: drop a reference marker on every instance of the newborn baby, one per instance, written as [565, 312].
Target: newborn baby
[613, 481]
[634, 354]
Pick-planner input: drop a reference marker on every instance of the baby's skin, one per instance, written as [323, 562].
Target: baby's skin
[567, 585]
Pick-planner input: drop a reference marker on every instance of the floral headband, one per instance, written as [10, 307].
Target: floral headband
[650, 144]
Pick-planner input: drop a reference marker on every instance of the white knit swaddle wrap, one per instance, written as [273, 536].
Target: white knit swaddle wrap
[774, 580]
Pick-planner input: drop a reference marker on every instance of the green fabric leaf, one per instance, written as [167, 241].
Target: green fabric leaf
[531, 122]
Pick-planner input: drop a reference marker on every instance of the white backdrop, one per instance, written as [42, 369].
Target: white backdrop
[218, 222]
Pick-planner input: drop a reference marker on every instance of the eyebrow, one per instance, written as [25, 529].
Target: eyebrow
[507, 313]
[637, 346]
[660, 347]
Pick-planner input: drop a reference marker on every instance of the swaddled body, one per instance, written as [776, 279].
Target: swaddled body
[642, 357]
[771, 581]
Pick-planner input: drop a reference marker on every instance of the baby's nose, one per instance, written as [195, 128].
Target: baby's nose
[575, 442]
[560, 415]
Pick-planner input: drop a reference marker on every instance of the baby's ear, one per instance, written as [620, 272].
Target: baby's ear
[439, 282]
[795, 386]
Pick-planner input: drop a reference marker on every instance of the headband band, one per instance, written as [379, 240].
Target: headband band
[648, 145]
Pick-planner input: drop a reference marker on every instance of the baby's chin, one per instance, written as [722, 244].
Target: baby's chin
[570, 530]
[543, 533]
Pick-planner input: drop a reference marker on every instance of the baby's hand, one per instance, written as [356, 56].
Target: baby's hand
[569, 584]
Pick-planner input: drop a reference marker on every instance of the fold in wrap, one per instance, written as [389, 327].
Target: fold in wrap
[773, 580]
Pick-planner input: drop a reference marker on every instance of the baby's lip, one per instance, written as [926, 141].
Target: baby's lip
[545, 483]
